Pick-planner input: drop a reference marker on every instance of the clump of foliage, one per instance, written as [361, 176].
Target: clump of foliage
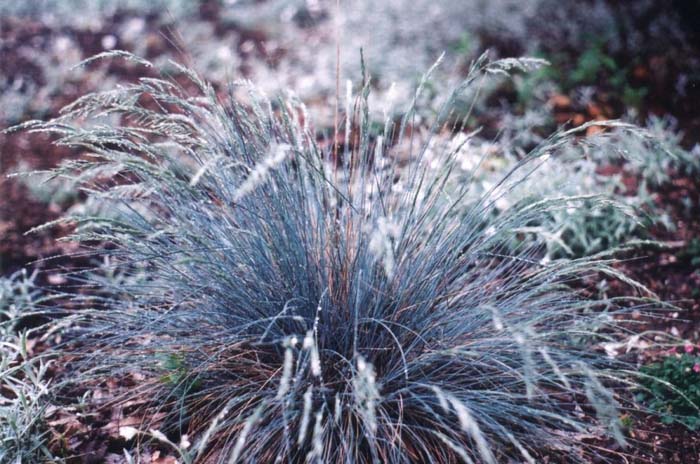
[621, 215]
[594, 66]
[330, 305]
[653, 159]
[23, 382]
[673, 388]
[601, 215]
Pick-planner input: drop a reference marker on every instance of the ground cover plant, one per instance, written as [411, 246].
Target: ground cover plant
[617, 217]
[673, 389]
[24, 384]
[333, 304]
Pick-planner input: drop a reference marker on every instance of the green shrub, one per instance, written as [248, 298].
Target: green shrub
[673, 388]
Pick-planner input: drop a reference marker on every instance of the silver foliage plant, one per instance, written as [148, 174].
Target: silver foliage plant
[601, 215]
[338, 304]
[24, 383]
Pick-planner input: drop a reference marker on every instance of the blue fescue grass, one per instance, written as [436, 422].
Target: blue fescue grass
[303, 306]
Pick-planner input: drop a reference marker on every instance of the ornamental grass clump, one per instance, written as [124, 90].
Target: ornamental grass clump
[327, 303]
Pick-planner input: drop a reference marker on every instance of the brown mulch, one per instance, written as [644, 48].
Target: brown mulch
[669, 274]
